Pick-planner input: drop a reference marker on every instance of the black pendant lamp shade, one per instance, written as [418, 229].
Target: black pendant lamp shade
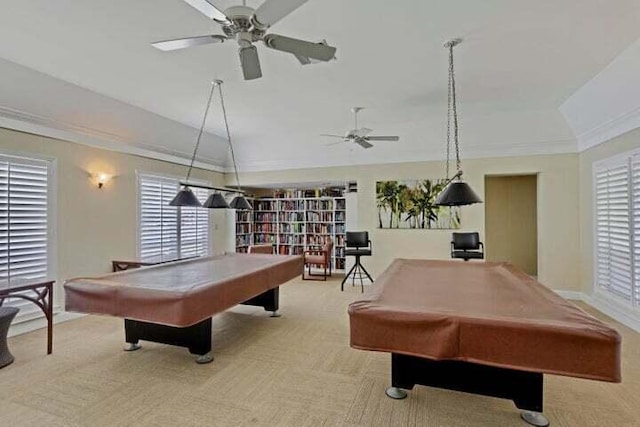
[240, 203]
[457, 193]
[216, 201]
[185, 197]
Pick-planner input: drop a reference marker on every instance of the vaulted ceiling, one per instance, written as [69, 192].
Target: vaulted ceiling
[88, 65]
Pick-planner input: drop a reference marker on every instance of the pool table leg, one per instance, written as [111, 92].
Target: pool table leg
[197, 338]
[525, 389]
[269, 300]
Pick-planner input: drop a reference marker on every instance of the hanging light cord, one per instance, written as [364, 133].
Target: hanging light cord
[452, 110]
[226, 124]
[204, 120]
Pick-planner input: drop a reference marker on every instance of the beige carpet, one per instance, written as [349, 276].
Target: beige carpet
[297, 370]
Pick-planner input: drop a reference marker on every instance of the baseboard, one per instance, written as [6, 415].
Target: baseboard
[625, 315]
[38, 322]
[570, 295]
[606, 305]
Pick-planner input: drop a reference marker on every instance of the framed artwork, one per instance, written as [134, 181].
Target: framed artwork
[409, 204]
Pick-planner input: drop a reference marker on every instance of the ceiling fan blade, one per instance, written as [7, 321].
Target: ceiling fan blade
[272, 11]
[383, 138]
[168, 45]
[209, 10]
[363, 143]
[303, 59]
[362, 131]
[332, 136]
[333, 143]
[319, 51]
[250, 63]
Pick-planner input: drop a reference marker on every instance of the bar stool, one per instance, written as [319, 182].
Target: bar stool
[357, 245]
[6, 317]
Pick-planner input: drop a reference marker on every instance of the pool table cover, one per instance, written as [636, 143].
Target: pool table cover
[487, 313]
[181, 293]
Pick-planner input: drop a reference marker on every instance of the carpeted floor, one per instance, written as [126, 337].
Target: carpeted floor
[296, 370]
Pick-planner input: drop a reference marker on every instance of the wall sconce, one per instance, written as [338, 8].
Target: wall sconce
[101, 179]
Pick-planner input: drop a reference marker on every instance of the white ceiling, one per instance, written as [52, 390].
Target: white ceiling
[520, 60]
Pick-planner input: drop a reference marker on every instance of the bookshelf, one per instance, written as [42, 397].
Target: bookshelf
[244, 230]
[299, 220]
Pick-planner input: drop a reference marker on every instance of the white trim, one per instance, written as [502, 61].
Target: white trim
[609, 130]
[24, 122]
[31, 324]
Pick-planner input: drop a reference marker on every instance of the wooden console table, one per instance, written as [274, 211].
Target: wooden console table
[39, 292]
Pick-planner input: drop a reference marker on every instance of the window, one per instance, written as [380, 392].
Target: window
[168, 230]
[617, 227]
[25, 220]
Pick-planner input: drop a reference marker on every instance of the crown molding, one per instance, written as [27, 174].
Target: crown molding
[52, 128]
[530, 148]
[610, 129]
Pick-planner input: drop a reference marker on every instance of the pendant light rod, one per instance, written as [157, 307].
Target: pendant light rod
[204, 120]
[209, 187]
[226, 124]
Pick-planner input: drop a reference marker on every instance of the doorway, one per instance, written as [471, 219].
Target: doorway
[511, 220]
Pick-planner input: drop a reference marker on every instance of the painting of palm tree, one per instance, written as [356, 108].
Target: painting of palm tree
[411, 204]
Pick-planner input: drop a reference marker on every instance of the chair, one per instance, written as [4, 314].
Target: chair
[467, 246]
[357, 245]
[318, 257]
[260, 249]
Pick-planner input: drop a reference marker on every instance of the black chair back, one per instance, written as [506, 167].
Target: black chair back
[357, 239]
[466, 241]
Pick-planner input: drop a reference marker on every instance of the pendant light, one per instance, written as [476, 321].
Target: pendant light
[216, 200]
[456, 191]
[238, 202]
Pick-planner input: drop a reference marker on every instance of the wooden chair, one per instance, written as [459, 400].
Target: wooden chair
[260, 249]
[318, 257]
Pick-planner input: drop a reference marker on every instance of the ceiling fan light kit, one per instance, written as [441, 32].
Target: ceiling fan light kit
[456, 192]
[247, 26]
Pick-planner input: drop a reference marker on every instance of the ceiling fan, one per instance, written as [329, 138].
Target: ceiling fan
[361, 135]
[247, 26]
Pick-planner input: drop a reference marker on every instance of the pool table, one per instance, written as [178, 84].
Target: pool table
[173, 303]
[486, 328]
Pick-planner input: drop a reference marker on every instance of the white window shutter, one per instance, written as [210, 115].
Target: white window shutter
[616, 215]
[635, 230]
[24, 218]
[158, 221]
[194, 227]
[167, 230]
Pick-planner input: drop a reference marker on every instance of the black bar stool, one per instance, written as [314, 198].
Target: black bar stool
[357, 245]
[6, 317]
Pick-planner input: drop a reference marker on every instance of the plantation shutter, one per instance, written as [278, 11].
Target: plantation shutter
[614, 263]
[167, 230]
[24, 218]
[635, 230]
[158, 221]
[194, 228]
